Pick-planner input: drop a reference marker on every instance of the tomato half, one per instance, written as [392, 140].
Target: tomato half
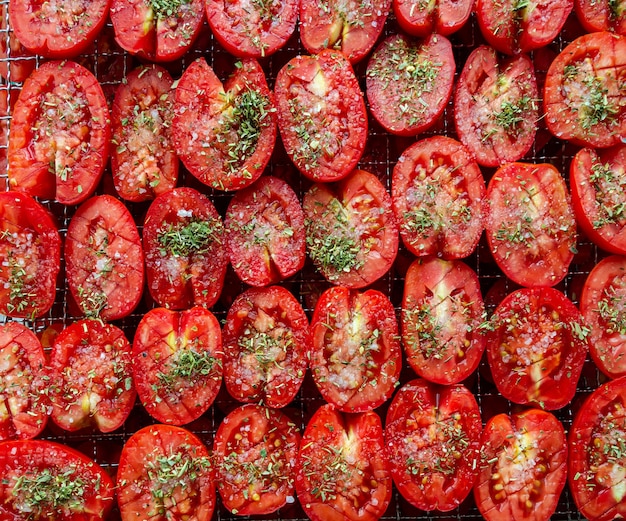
[177, 363]
[432, 441]
[438, 193]
[601, 15]
[603, 306]
[143, 161]
[30, 247]
[165, 473]
[56, 29]
[351, 232]
[523, 467]
[157, 30]
[495, 106]
[186, 258]
[44, 480]
[584, 95]
[91, 382]
[536, 347]
[252, 29]
[224, 133]
[255, 451]
[355, 349]
[530, 224]
[266, 341]
[23, 407]
[342, 473]
[442, 310]
[104, 259]
[598, 182]
[265, 232]
[350, 26]
[60, 134]
[321, 115]
[21, 62]
[440, 16]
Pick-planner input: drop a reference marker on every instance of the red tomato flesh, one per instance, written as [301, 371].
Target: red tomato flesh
[440, 16]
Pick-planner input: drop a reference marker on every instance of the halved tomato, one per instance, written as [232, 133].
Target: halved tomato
[435, 17]
[601, 15]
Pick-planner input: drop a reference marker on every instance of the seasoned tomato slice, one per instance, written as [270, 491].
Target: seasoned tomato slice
[265, 232]
[186, 258]
[438, 194]
[266, 342]
[342, 472]
[432, 441]
[47, 481]
[536, 347]
[409, 82]
[255, 451]
[23, 407]
[601, 15]
[349, 26]
[321, 115]
[439, 16]
[104, 259]
[598, 182]
[530, 224]
[351, 232]
[523, 467]
[584, 96]
[224, 133]
[495, 106]
[90, 375]
[165, 473]
[60, 134]
[355, 349]
[30, 248]
[177, 363]
[143, 161]
[442, 310]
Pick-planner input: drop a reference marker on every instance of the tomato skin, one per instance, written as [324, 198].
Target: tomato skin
[310, 135]
[165, 472]
[495, 107]
[410, 82]
[586, 107]
[143, 161]
[537, 347]
[261, 438]
[425, 426]
[191, 271]
[177, 361]
[352, 236]
[332, 487]
[442, 17]
[597, 16]
[438, 193]
[598, 181]
[31, 246]
[523, 466]
[530, 224]
[224, 133]
[266, 342]
[38, 139]
[265, 232]
[22, 62]
[355, 350]
[28, 460]
[104, 259]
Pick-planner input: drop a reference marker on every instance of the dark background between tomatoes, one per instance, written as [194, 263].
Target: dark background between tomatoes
[110, 64]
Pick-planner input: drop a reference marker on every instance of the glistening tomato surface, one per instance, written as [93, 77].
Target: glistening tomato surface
[342, 473]
[177, 363]
[255, 450]
[432, 441]
[60, 134]
[30, 247]
[165, 473]
[530, 224]
[22, 63]
[321, 115]
[601, 15]
[523, 467]
[537, 347]
[424, 18]
[355, 350]
[43, 480]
